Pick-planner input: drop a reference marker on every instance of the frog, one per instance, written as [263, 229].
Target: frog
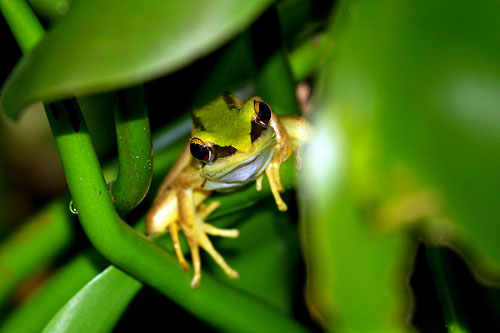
[233, 143]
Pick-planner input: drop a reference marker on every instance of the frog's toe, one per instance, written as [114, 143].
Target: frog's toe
[258, 182]
[205, 210]
[195, 255]
[197, 237]
[276, 186]
[173, 228]
[206, 244]
[211, 230]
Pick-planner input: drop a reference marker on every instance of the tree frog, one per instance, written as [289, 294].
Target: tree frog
[232, 144]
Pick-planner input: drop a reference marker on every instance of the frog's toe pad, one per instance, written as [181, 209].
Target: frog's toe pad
[206, 244]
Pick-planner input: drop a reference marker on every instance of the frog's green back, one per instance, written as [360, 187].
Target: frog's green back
[224, 123]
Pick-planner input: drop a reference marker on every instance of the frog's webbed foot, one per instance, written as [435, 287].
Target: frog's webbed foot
[196, 231]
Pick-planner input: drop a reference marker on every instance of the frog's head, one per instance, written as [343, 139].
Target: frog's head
[234, 141]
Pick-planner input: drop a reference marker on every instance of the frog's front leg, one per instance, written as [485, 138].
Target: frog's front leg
[195, 229]
[291, 133]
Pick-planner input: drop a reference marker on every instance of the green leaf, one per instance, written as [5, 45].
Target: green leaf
[356, 273]
[428, 76]
[407, 104]
[37, 311]
[100, 46]
[86, 312]
[40, 240]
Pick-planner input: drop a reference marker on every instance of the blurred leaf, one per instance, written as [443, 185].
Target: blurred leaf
[100, 46]
[357, 275]
[428, 76]
[86, 312]
[408, 102]
[306, 58]
[36, 312]
[40, 240]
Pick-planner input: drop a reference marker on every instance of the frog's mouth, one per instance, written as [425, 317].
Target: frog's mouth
[241, 168]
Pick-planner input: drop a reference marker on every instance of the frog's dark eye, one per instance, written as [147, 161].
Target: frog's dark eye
[263, 111]
[200, 150]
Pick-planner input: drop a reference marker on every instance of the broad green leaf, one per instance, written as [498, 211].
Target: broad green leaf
[86, 311]
[37, 311]
[356, 273]
[99, 46]
[408, 102]
[428, 76]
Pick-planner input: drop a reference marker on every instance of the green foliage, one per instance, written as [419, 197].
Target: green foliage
[79, 314]
[428, 91]
[142, 41]
[406, 147]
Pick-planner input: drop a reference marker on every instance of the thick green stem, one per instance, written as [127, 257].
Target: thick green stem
[23, 23]
[135, 151]
[446, 289]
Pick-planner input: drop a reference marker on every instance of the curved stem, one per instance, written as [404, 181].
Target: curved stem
[135, 151]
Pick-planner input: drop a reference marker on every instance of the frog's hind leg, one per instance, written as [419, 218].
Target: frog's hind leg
[196, 230]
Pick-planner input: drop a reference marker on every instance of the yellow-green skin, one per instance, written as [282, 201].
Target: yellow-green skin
[225, 124]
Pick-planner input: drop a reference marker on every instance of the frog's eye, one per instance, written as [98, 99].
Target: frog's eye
[200, 150]
[263, 111]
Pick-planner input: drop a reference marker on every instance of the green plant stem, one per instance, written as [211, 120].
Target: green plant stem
[443, 279]
[35, 244]
[23, 23]
[135, 150]
[137, 254]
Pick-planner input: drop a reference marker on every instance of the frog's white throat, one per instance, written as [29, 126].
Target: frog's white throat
[245, 168]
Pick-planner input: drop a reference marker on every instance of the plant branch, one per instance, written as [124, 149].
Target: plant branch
[135, 151]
